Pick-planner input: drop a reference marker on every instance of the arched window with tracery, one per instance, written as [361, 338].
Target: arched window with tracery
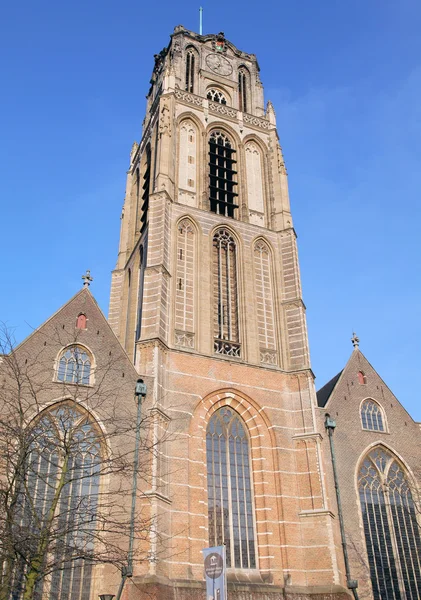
[230, 494]
[222, 175]
[62, 469]
[184, 293]
[264, 302]
[74, 365]
[190, 69]
[372, 416]
[391, 531]
[225, 294]
[216, 96]
[242, 89]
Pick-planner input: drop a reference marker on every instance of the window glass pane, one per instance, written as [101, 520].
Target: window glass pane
[229, 479]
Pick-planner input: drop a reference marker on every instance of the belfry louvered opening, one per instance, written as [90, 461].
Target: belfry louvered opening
[222, 176]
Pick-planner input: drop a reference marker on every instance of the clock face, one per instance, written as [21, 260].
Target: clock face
[219, 64]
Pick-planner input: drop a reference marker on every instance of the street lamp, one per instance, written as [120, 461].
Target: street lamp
[106, 596]
[352, 584]
[127, 571]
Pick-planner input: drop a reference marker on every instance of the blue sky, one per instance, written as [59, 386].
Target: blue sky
[345, 80]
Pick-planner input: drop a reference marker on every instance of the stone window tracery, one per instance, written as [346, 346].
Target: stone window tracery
[225, 294]
[391, 532]
[74, 366]
[64, 434]
[222, 175]
[372, 416]
[230, 495]
[216, 96]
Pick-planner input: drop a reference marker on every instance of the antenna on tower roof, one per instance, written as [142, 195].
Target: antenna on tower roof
[201, 21]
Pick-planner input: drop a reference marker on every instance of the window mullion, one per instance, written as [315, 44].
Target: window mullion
[394, 542]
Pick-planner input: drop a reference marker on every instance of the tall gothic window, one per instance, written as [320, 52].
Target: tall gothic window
[230, 504]
[371, 416]
[391, 531]
[222, 175]
[225, 294]
[74, 365]
[242, 90]
[190, 66]
[65, 449]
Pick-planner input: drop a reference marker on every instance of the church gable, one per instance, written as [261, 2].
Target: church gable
[359, 393]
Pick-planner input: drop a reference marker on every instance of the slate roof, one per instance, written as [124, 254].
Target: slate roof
[324, 393]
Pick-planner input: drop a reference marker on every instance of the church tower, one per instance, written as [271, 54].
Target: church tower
[206, 299]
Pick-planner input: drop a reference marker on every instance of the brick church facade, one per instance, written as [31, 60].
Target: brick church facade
[206, 304]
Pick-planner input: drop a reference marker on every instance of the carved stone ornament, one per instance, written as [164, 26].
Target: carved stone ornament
[165, 121]
[268, 357]
[184, 339]
[219, 64]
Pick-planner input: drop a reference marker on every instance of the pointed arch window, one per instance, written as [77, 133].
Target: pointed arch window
[362, 379]
[216, 96]
[225, 294]
[392, 535]
[185, 288]
[372, 416]
[222, 175]
[242, 89]
[64, 446]
[74, 365]
[190, 70]
[81, 321]
[264, 302]
[230, 496]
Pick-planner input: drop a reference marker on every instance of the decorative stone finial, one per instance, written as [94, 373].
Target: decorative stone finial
[355, 340]
[87, 278]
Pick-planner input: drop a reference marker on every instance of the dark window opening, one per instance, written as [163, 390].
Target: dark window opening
[222, 182]
[242, 91]
[190, 71]
[145, 189]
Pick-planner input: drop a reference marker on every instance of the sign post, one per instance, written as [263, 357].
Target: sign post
[215, 573]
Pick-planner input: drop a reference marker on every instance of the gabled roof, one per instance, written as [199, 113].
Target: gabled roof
[325, 392]
[84, 298]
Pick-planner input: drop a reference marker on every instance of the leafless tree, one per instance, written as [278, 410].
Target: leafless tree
[66, 467]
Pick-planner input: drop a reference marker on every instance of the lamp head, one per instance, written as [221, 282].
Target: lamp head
[140, 389]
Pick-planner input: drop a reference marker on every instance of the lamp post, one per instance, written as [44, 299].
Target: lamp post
[140, 393]
[352, 584]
